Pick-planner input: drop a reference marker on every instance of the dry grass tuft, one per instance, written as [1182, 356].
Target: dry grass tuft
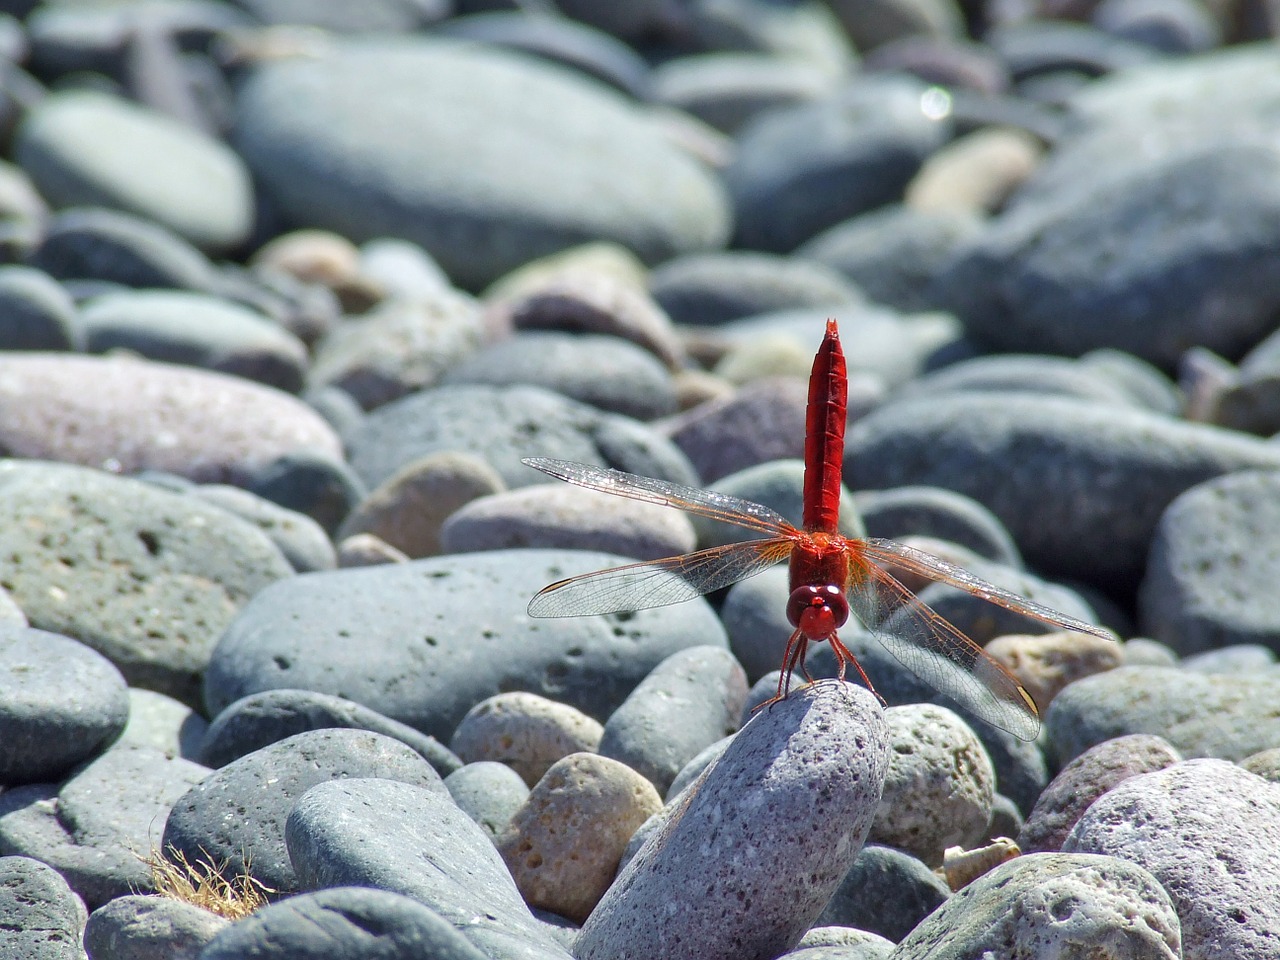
[205, 884]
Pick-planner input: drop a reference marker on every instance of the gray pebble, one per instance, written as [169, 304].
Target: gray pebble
[527, 732]
[302, 541]
[63, 703]
[797, 789]
[701, 760]
[238, 813]
[1210, 833]
[36, 313]
[1237, 658]
[40, 918]
[312, 481]
[146, 927]
[367, 550]
[164, 724]
[886, 891]
[261, 719]
[688, 702]
[935, 512]
[339, 834]
[489, 793]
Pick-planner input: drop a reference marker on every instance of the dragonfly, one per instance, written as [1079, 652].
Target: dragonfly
[831, 575]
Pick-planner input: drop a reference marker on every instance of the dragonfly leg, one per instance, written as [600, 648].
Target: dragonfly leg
[843, 656]
[793, 655]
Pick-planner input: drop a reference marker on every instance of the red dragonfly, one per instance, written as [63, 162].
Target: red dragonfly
[830, 574]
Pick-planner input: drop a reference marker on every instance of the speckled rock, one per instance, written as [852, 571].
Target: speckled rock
[1046, 663]
[1053, 904]
[302, 541]
[489, 793]
[146, 577]
[1200, 714]
[365, 109]
[96, 828]
[563, 845]
[408, 510]
[821, 755]
[1265, 763]
[1210, 833]
[339, 834]
[164, 724]
[36, 313]
[237, 814]
[141, 927]
[440, 635]
[131, 415]
[63, 702]
[691, 700]
[527, 732]
[40, 918]
[85, 148]
[1213, 556]
[1086, 778]
[934, 512]
[1037, 465]
[312, 482]
[261, 719]
[887, 892]
[197, 330]
[841, 943]
[566, 517]
[940, 785]
[343, 922]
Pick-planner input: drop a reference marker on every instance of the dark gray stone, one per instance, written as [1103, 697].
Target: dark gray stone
[343, 923]
[63, 703]
[1170, 26]
[36, 313]
[480, 204]
[1021, 373]
[316, 484]
[887, 892]
[489, 793]
[300, 538]
[761, 422]
[237, 813]
[440, 635]
[146, 927]
[1182, 823]
[96, 828]
[1080, 486]
[339, 834]
[40, 918]
[941, 514]
[261, 719]
[688, 702]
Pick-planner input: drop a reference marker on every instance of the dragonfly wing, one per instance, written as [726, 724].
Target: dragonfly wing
[892, 553]
[706, 503]
[657, 583]
[939, 654]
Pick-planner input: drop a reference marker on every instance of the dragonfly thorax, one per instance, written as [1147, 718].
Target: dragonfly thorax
[817, 611]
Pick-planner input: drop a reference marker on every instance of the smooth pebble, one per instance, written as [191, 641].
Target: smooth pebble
[527, 732]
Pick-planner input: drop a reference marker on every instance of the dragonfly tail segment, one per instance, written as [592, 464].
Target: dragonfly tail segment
[825, 418]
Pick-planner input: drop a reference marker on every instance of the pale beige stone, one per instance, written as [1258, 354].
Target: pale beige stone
[527, 732]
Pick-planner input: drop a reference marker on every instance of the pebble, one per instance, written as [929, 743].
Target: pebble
[146, 577]
[609, 373]
[886, 891]
[691, 700]
[501, 425]
[139, 927]
[333, 137]
[40, 917]
[409, 508]
[342, 923]
[1265, 763]
[129, 415]
[437, 636]
[302, 541]
[1024, 373]
[799, 170]
[1210, 833]
[567, 518]
[63, 703]
[309, 481]
[339, 834]
[1045, 663]
[935, 512]
[563, 845]
[1053, 904]
[711, 289]
[489, 793]
[1211, 560]
[97, 827]
[526, 732]
[1082, 495]
[944, 61]
[841, 943]
[891, 20]
[86, 148]
[367, 550]
[261, 719]
[976, 173]
[1170, 26]
[163, 723]
[940, 786]
[1200, 714]
[1084, 780]
[194, 329]
[36, 313]
[762, 876]
[237, 814]
[809, 34]
[727, 89]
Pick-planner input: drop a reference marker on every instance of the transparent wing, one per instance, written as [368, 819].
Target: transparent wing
[938, 653]
[706, 503]
[657, 583]
[892, 553]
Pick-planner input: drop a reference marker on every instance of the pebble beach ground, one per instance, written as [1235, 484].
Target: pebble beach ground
[288, 292]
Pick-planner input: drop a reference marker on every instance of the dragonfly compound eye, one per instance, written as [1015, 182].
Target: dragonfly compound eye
[817, 611]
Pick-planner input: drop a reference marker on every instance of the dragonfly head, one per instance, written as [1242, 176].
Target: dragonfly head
[817, 611]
